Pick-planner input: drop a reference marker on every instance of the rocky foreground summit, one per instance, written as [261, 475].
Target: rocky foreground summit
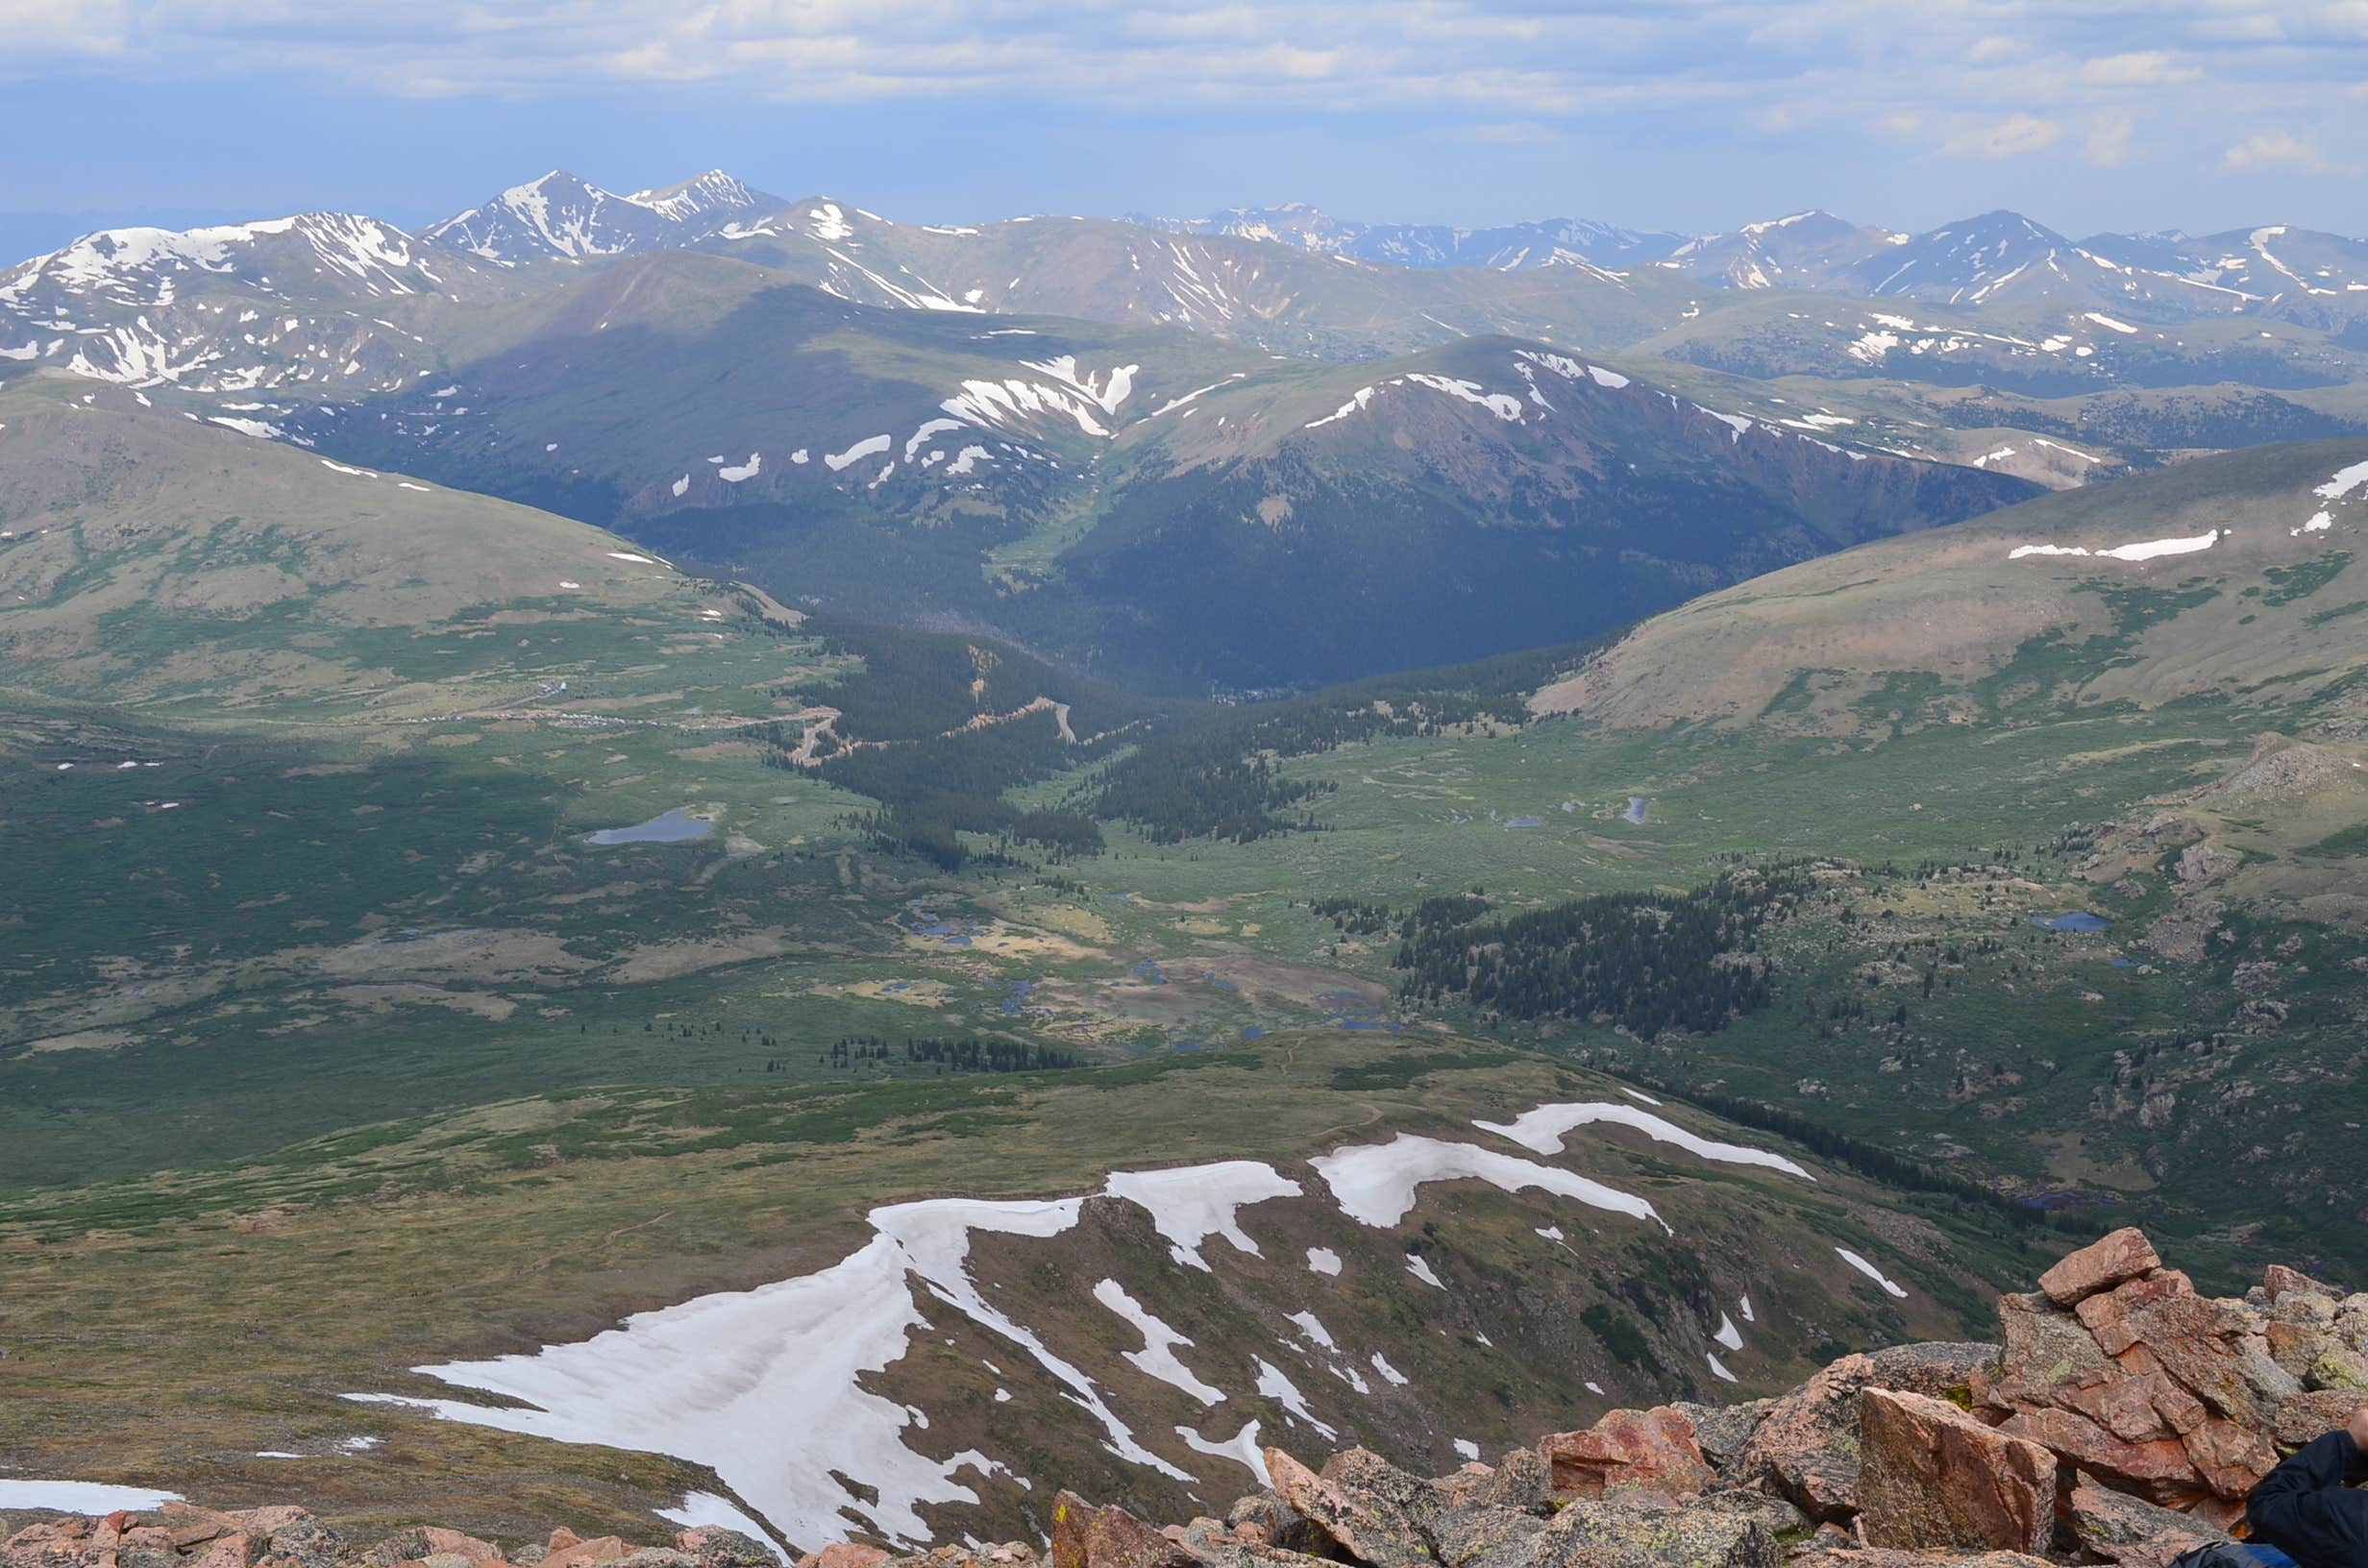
[2121, 1418]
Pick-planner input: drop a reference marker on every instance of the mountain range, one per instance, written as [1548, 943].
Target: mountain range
[687, 855]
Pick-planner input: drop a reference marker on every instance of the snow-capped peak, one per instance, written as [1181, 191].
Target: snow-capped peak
[713, 192]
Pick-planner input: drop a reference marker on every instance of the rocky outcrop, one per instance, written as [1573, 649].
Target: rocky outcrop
[183, 1536]
[1653, 1448]
[1806, 1447]
[2121, 1418]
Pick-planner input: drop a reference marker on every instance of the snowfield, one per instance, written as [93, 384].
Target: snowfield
[775, 1389]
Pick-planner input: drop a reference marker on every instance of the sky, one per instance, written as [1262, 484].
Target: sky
[1684, 114]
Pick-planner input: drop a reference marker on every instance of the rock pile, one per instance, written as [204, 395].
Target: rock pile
[183, 1536]
[2121, 1419]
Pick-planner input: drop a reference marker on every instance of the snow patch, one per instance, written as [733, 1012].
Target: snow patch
[1274, 1386]
[1322, 1261]
[1242, 1448]
[1312, 1327]
[1869, 1270]
[869, 447]
[734, 473]
[1374, 1183]
[2345, 481]
[1544, 1130]
[1390, 1373]
[1157, 1357]
[1192, 1203]
[2146, 551]
[91, 1497]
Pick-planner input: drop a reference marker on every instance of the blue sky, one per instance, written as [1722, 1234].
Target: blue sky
[1692, 114]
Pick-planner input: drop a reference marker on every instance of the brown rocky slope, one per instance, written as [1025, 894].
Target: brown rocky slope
[2121, 1418]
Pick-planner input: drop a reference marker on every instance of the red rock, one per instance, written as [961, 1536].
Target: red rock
[844, 1555]
[2277, 1279]
[582, 1553]
[2232, 1459]
[2308, 1416]
[2197, 1342]
[456, 1544]
[2100, 1265]
[233, 1550]
[1364, 1503]
[1931, 1476]
[1085, 1536]
[1651, 1448]
[2107, 1314]
[2128, 1531]
[562, 1538]
[1805, 1449]
[2159, 1471]
[269, 1520]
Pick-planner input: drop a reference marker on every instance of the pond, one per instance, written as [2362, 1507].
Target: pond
[1637, 805]
[675, 826]
[2077, 920]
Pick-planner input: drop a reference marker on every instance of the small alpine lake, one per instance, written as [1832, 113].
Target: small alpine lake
[675, 826]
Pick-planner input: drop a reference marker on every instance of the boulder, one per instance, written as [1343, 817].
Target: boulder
[1720, 1431]
[1359, 1500]
[1481, 1537]
[2158, 1469]
[1385, 1517]
[2278, 1280]
[1265, 1518]
[1085, 1536]
[1522, 1481]
[1638, 1529]
[1805, 1448]
[49, 1544]
[453, 1543]
[844, 1555]
[712, 1546]
[2313, 1414]
[2126, 1529]
[402, 1546]
[1881, 1558]
[1931, 1476]
[2102, 1264]
[1653, 1448]
[1778, 1517]
[233, 1549]
[578, 1552]
[149, 1546]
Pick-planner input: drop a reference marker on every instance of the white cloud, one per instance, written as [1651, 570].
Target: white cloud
[2273, 147]
[2017, 135]
[69, 27]
[2108, 143]
[2151, 68]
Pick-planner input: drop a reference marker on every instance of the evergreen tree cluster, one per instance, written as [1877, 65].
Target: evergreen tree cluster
[1646, 961]
[1214, 774]
[1352, 916]
[901, 738]
[967, 1054]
